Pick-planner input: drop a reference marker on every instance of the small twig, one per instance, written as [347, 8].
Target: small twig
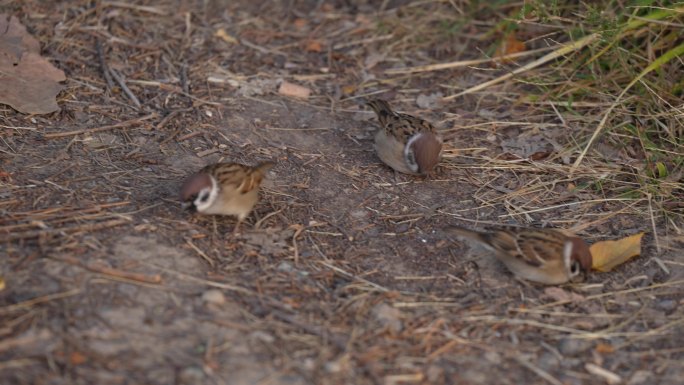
[338, 340]
[298, 230]
[139, 8]
[352, 276]
[363, 41]
[155, 278]
[184, 78]
[200, 252]
[67, 230]
[19, 363]
[165, 120]
[608, 376]
[127, 123]
[262, 49]
[103, 65]
[169, 87]
[395, 379]
[653, 224]
[54, 221]
[538, 371]
[612, 293]
[190, 135]
[38, 300]
[220, 285]
[122, 83]
[55, 213]
[446, 347]
[42, 336]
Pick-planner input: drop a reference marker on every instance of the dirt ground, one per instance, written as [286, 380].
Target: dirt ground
[343, 273]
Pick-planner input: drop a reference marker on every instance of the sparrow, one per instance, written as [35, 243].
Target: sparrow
[224, 189]
[406, 143]
[548, 256]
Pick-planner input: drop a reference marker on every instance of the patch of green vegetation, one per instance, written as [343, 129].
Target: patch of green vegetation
[637, 62]
[616, 76]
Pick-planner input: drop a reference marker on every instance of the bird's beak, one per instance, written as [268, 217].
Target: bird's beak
[186, 205]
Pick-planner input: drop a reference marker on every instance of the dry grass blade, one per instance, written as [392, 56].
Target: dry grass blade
[538, 371]
[463, 63]
[128, 123]
[343, 273]
[659, 62]
[39, 300]
[145, 278]
[349, 275]
[140, 8]
[564, 50]
[48, 233]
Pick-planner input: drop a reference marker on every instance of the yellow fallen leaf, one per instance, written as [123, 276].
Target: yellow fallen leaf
[223, 35]
[350, 89]
[606, 255]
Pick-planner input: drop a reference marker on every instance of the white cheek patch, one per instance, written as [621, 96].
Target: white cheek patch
[204, 204]
[567, 253]
[409, 156]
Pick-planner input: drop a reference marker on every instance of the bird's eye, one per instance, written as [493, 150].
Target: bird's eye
[204, 197]
[575, 268]
[410, 158]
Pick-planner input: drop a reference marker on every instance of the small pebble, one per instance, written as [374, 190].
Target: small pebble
[667, 305]
[191, 376]
[388, 316]
[262, 336]
[641, 377]
[434, 374]
[493, 357]
[285, 267]
[573, 346]
[401, 228]
[333, 367]
[214, 296]
[548, 362]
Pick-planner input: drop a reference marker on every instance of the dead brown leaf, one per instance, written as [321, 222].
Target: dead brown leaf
[314, 46]
[77, 358]
[531, 145]
[295, 90]
[29, 83]
[300, 23]
[509, 46]
[607, 255]
[604, 348]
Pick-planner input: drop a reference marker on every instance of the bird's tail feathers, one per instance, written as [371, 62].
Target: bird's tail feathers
[468, 234]
[381, 107]
[263, 167]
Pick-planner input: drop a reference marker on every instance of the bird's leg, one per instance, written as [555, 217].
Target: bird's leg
[523, 282]
[236, 229]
